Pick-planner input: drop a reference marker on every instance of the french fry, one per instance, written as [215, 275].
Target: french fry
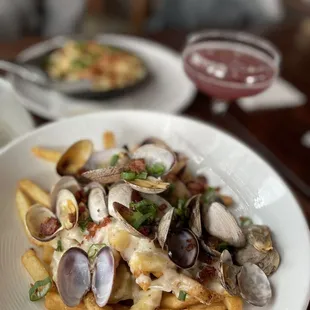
[48, 252]
[35, 192]
[215, 306]
[54, 302]
[170, 301]
[23, 204]
[233, 302]
[90, 303]
[46, 154]
[109, 140]
[34, 266]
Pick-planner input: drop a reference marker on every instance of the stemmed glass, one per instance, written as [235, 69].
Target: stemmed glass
[228, 65]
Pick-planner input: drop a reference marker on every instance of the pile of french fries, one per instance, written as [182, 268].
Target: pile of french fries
[29, 193]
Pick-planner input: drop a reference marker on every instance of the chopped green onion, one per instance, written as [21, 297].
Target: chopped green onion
[245, 221]
[156, 170]
[138, 219]
[40, 289]
[180, 209]
[128, 175]
[94, 249]
[141, 175]
[84, 223]
[59, 246]
[182, 295]
[114, 160]
[145, 207]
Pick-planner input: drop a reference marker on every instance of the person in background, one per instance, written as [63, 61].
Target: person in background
[229, 14]
[44, 17]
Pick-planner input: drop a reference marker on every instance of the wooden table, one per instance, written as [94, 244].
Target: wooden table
[278, 130]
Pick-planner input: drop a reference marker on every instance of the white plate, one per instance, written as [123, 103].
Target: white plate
[169, 90]
[14, 118]
[259, 191]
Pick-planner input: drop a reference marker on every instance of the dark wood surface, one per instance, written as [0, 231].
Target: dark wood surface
[277, 130]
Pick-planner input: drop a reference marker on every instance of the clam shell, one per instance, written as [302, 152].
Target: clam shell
[157, 142]
[249, 255]
[149, 186]
[163, 227]
[153, 154]
[105, 175]
[103, 276]
[66, 182]
[97, 205]
[87, 188]
[254, 285]
[36, 216]
[220, 223]
[195, 218]
[259, 236]
[183, 248]
[180, 163]
[228, 274]
[102, 158]
[270, 263]
[121, 193]
[75, 158]
[67, 209]
[73, 276]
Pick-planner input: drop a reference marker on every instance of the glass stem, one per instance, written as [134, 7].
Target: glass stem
[219, 107]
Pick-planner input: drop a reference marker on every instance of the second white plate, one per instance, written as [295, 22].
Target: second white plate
[169, 90]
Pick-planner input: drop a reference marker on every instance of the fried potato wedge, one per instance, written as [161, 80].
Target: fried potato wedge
[215, 306]
[35, 192]
[53, 301]
[48, 252]
[34, 266]
[233, 302]
[46, 154]
[170, 301]
[109, 141]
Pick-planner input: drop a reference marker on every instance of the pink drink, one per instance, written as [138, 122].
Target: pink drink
[229, 70]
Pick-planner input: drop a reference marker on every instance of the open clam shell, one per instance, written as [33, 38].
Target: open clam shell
[42, 223]
[164, 227]
[73, 276]
[103, 276]
[254, 285]
[67, 209]
[75, 158]
[228, 274]
[153, 154]
[121, 193]
[102, 159]
[150, 185]
[157, 142]
[97, 205]
[66, 182]
[195, 218]
[220, 223]
[105, 175]
[183, 248]
[259, 236]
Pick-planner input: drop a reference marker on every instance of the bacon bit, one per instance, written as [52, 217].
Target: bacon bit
[207, 273]
[72, 217]
[135, 196]
[93, 227]
[49, 226]
[144, 230]
[82, 207]
[162, 207]
[137, 165]
[170, 178]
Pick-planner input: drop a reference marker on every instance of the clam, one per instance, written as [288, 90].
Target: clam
[195, 218]
[259, 236]
[121, 193]
[103, 276]
[73, 276]
[254, 285]
[157, 142]
[183, 248]
[228, 274]
[75, 158]
[163, 227]
[44, 225]
[97, 204]
[66, 182]
[149, 186]
[108, 158]
[105, 175]
[220, 223]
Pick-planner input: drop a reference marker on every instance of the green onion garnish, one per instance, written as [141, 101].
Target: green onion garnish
[182, 295]
[128, 175]
[245, 221]
[59, 246]
[94, 249]
[141, 175]
[114, 160]
[84, 223]
[40, 289]
[156, 170]
[138, 219]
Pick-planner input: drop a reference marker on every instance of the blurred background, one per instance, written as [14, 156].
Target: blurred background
[277, 125]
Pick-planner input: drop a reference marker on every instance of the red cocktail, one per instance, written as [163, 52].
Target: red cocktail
[230, 65]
